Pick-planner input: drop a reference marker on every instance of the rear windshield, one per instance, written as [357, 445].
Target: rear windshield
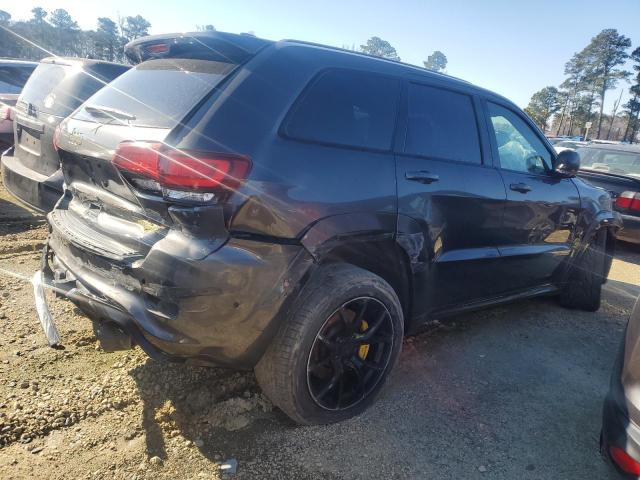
[610, 161]
[13, 77]
[156, 93]
[60, 89]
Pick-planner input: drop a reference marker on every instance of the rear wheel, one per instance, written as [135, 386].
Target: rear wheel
[332, 356]
[584, 288]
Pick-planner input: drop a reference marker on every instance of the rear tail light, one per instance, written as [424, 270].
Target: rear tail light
[56, 138]
[139, 158]
[179, 173]
[630, 200]
[624, 461]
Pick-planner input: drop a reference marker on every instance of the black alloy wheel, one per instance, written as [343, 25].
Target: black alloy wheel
[350, 354]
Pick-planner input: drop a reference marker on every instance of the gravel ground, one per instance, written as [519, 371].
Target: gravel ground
[509, 392]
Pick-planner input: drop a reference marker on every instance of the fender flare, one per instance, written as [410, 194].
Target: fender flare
[348, 229]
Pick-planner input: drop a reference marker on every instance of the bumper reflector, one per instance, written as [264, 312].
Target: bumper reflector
[624, 461]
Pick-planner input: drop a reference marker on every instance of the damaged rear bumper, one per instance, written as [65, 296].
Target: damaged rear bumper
[223, 309]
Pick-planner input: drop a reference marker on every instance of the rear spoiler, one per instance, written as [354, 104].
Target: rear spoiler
[208, 45]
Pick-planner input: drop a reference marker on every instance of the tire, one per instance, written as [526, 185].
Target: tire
[285, 372]
[584, 288]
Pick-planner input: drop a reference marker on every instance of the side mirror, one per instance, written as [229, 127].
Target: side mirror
[567, 163]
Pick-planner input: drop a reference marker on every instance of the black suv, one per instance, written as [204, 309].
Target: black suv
[297, 209]
[31, 170]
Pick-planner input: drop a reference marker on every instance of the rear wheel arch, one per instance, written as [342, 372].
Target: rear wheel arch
[382, 258]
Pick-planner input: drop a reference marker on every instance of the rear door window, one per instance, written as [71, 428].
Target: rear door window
[441, 124]
[346, 107]
[155, 93]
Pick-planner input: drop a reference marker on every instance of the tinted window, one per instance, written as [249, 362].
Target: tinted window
[519, 148]
[346, 107]
[13, 78]
[59, 89]
[441, 124]
[156, 93]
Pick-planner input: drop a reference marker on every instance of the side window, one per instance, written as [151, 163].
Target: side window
[346, 107]
[519, 148]
[441, 124]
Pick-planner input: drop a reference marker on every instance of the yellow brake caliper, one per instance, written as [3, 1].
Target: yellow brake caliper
[363, 351]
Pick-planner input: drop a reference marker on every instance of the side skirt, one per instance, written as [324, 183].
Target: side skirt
[542, 290]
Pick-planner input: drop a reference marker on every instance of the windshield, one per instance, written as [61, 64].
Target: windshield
[156, 93]
[610, 161]
[59, 89]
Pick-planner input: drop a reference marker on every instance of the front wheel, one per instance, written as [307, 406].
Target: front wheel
[584, 288]
[334, 353]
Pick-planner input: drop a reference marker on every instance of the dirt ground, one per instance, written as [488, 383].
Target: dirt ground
[510, 392]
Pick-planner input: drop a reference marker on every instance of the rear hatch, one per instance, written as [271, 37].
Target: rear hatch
[55, 89]
[127, 186]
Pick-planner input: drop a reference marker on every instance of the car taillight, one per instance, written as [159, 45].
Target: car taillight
[202, 171]
[56, 138]
[624, 461]
[179, 171]
[140, 158]
[630, 200]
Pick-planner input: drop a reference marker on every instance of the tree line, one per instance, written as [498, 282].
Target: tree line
[378, 47]
[57, 33]
[564, 110]
[590, 74]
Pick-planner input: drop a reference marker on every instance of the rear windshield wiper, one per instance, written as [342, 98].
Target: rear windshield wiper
[99, 111]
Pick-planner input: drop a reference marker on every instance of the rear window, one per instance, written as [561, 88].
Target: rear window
[156, 93]
[441, 124]
[59, 89]
[344, 107]
[13, 77]
[610, 161]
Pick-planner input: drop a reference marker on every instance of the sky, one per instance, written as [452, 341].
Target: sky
[511, 47]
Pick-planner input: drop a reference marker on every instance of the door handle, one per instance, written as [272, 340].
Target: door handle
[520, 187]
[421, 176]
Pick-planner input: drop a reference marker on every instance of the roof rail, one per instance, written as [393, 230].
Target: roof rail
[363, 54]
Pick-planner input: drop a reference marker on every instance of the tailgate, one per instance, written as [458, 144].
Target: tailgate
[34, 142]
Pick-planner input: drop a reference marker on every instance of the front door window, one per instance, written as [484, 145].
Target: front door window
[519, 148]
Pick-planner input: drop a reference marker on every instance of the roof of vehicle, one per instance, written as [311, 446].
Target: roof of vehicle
[250, 44]
[617, 147]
